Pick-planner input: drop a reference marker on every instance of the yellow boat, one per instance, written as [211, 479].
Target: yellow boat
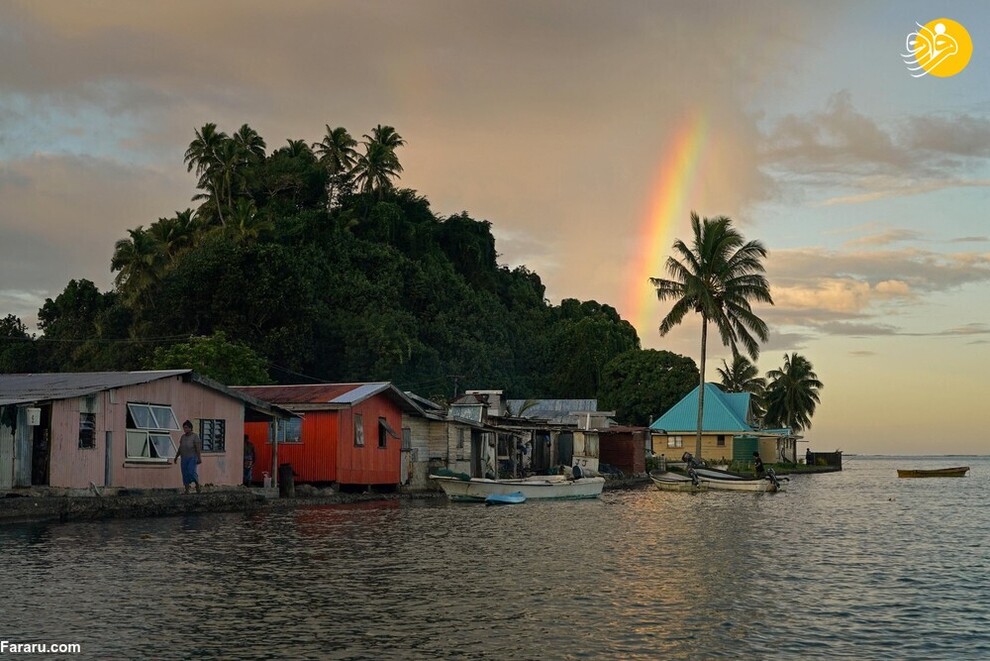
[957, 471]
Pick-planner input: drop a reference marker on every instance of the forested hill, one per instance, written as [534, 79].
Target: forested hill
[307, 263]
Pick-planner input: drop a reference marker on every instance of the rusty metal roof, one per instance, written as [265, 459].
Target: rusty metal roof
[28, 388]
[330, 395]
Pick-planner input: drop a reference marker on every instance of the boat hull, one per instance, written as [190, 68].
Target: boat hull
[673, 482]
[956, 471]
[544, 487]
[740, 484]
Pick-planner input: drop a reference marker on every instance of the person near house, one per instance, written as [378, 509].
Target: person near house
[758, 465]
[191, 454]
[248, 460]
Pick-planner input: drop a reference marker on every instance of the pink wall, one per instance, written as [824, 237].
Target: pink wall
[75, 467]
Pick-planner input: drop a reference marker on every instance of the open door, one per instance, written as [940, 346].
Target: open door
[41, 449]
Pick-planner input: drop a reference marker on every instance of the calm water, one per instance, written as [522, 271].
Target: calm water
[858, 564]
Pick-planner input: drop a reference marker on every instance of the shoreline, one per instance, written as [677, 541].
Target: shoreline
[59, 508]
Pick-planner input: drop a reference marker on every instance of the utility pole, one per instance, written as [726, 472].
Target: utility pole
[455, 378]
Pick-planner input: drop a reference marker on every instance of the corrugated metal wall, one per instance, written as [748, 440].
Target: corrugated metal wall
[370, 464]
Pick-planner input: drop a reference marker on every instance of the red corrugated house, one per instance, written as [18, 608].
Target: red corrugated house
[350, 433]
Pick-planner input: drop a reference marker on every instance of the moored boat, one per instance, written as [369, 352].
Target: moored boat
[677, 482]
[533, 488]
[718, 480]
[955, 471]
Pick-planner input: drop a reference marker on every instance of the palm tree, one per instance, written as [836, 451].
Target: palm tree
[336, 151]
[716, 277]
[379, 165]
[141, 261]
[792, 394]
[203, 154]
[338, 156]
[251, 144]
[742, 376]
[246, 224]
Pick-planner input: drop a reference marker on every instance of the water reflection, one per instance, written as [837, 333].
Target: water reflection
[838, 565]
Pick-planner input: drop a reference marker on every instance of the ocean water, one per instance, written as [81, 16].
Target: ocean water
[857, 564]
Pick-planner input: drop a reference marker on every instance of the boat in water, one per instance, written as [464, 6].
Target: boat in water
[710, 479]
[537, 487]
[955, 471]
[668, 481]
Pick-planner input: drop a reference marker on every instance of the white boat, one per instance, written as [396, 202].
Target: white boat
[677, 482]
[533, 488]
[704, 479]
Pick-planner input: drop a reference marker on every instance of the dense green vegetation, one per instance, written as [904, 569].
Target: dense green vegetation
[307, 263]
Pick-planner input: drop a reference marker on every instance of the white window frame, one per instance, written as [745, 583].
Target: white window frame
[150, 439]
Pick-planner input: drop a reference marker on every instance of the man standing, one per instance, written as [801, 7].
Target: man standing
[191, 453]
[248, 460]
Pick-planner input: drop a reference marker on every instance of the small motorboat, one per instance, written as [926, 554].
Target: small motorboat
[514, 498]
[955, 471]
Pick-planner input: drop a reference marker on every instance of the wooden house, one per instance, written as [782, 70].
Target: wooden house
[726, 434]
[120, 429]
[441, 438]
[350, 434]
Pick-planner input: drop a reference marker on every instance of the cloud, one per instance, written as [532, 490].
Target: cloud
[841, 148]
[62, 215]
[886, 238]
[862, 354]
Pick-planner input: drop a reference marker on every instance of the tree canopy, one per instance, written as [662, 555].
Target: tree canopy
[311, 259]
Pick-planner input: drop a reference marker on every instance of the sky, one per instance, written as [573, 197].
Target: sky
[586, 132]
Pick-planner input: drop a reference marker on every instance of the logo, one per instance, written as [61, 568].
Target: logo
[941, 48]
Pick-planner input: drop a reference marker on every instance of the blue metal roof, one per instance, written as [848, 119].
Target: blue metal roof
[724, 412]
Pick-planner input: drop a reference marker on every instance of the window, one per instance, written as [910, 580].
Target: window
[213, 435]
[384, 431]
[289, 431]
[148, 432]
[721, 440]
[406, 438]
[675, 442]
[87, 430]
[460, 437]
[358, 430]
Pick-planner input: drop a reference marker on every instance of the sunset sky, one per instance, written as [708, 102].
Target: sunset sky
[585, 132]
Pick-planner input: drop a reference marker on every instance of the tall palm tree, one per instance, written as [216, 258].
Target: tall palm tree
[743, 376]
[203, 154]
[716, 277]
[337, 154]
[792, 393]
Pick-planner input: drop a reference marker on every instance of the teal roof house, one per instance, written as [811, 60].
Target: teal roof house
[726, 434]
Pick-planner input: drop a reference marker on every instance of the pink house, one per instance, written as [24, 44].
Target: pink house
[120, 429]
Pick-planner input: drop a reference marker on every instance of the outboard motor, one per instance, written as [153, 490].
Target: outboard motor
[772, 476]
[689, 459]
[693, 474]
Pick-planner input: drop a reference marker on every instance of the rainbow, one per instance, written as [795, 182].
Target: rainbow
[669, 209]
